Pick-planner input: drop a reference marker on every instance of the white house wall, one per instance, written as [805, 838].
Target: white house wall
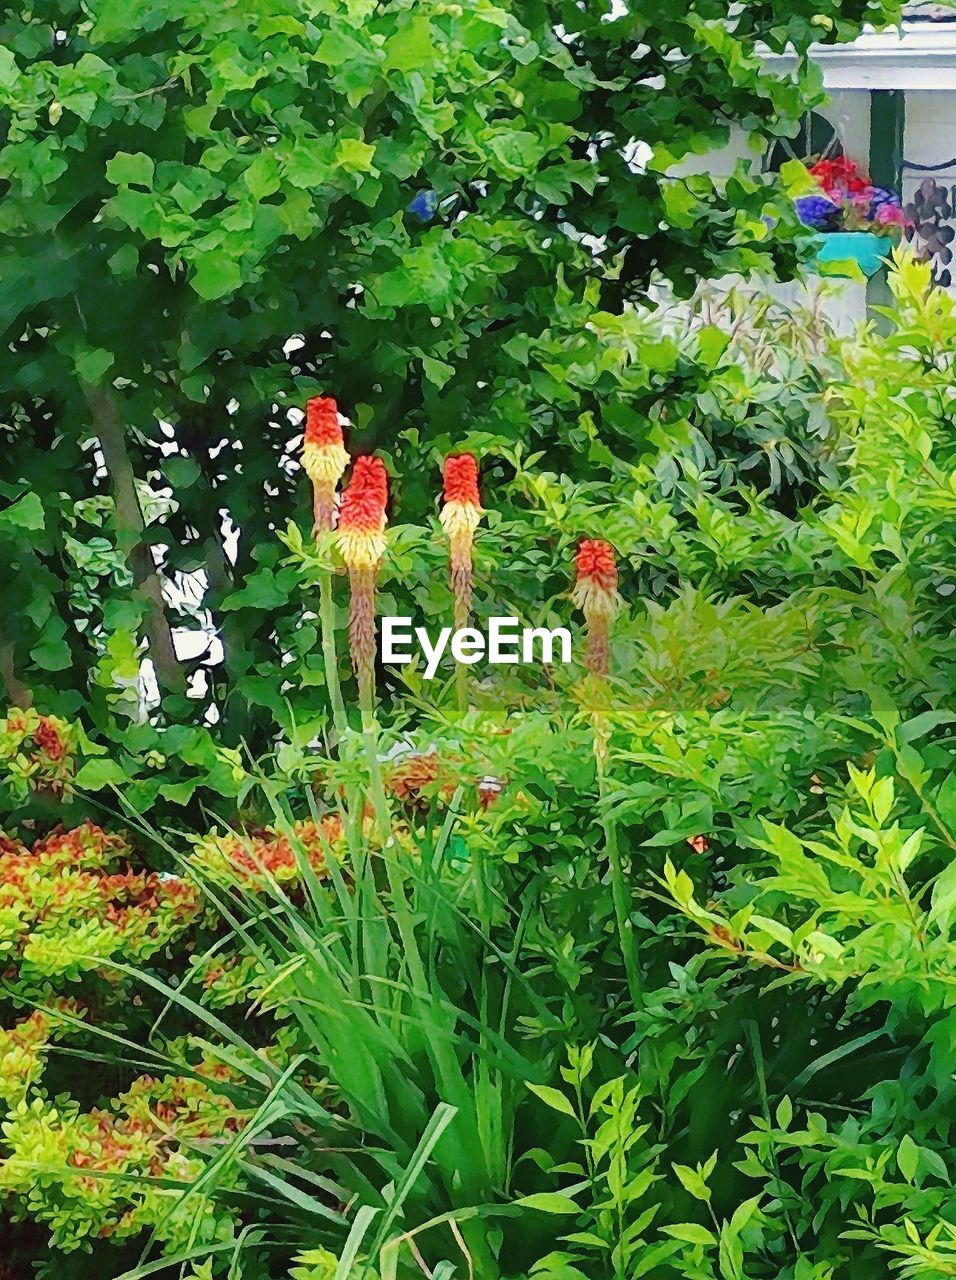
[848, 111]
[930, 136]
[918, 58]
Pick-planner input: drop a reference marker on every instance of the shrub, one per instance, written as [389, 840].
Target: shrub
[441, 214]
[634, 967]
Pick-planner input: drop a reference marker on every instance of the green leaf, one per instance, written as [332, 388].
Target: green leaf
[692, 1181]
[353, 153]
[216, 274]
[549, 1202]
[26, 513]
[93, 363]
[712, 342]
[652, 1257]
[180, 792]
[946, 802]
[436, 371]
[411, 48]
[784, 1112]
[97, 774]
[182, 472]
[797, 180]
[691, 1233]
[52, 655]
[907, 1157]
[262, 177]
[924, 723]
[553, 1098]
[130, 169]
[125, 260]
[264, 589]
[9, 71]
[305, 167]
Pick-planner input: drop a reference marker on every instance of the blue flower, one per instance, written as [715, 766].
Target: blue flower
[424, 206]
[817, 212]
[881, 196]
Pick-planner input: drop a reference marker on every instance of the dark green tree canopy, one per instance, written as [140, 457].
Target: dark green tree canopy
[211, 212]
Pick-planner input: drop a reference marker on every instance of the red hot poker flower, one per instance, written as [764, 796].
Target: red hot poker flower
[361, 542]
[322, 421]
[361, 532]
[323, 448]
[596, 565]
[461, 480]
[595, 594]
[460, 517]
[323, 456]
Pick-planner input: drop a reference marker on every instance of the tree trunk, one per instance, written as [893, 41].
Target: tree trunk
[109, 427]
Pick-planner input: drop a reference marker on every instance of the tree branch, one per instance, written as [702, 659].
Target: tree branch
[110, 430]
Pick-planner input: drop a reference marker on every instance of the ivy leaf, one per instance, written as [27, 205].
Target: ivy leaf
[306, 167]
[180, 792]
[411, 48]
[216, 275]
[9, 71]
[264, 589]
[262, 177]
[437, 371]
[353, 153]
[182, 472]
[97, 774]
[26, 513]
[130, 169]
[52, 655]
[93, 363]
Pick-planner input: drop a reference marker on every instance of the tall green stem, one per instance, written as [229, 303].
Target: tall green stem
[461, 686]
[619, 889]
[621, 898]
[327, 620]
[396, 876]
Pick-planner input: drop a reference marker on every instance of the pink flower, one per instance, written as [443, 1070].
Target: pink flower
[891, 215]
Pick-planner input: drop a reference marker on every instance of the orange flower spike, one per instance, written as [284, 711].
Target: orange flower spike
[361, 543]
[596, 595]
[323, 457]
[361, 531]
[460, 517]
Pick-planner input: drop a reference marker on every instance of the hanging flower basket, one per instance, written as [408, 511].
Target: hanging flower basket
[865, 248]
[857, 222]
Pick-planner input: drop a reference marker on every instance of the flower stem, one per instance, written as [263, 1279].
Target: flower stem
[330, 660]
[619, 890]
[622, 910]
[396, 875]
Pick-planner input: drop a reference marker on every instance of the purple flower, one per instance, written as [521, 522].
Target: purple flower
[817, 212]
[424, 206]
[880, 196]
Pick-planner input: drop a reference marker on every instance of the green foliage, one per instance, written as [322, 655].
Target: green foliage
[533, 976]
[572, 978]
[187, 188]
